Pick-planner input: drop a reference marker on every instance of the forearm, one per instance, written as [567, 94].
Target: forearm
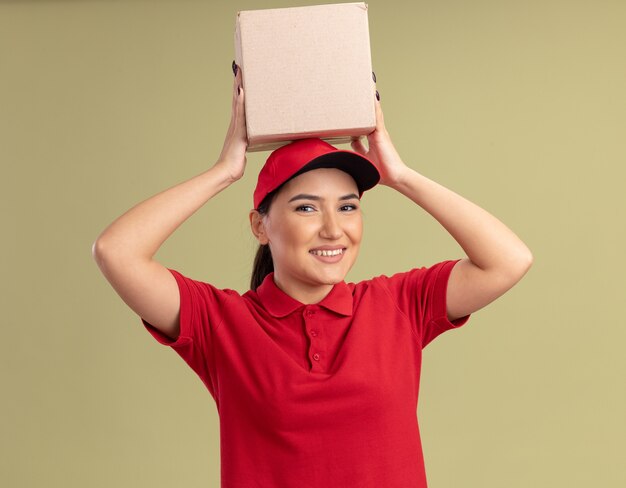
[488, 243]
[141, 231]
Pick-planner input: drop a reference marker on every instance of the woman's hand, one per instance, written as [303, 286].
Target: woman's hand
[381, 150]
[233, 155]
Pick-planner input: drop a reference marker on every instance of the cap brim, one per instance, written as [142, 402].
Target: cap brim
[362, 170]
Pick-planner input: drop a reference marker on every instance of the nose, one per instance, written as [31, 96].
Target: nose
[331, 228]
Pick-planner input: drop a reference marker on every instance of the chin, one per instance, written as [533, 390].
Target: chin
[332, 278]
[332, 281]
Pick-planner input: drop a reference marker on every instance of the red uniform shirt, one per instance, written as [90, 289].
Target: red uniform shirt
[321, 395]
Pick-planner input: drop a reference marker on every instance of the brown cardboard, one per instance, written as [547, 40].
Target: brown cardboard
[307, 72]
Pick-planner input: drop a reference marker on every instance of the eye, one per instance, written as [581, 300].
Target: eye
[305, 208]
[348, 207]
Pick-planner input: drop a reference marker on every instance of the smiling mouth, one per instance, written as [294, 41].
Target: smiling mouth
[327, 252]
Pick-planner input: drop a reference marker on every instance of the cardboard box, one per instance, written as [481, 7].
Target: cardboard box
[307, 72]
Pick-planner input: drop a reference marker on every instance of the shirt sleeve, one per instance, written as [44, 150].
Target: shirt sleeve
[201, 312]
[421, 295]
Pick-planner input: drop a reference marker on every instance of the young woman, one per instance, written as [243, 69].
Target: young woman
[315, 380]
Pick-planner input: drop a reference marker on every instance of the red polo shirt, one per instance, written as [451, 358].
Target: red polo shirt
[321, 395]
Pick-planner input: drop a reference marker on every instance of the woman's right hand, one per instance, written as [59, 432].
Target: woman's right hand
[125, 250]
[233, 155]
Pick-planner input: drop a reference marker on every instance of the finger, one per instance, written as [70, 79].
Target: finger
[239, 97]
[239, 75]
[233, 101]
[357, 145]
[240, 124]
[239, 103]
[380, 119]
[235, 94]
[236, 77]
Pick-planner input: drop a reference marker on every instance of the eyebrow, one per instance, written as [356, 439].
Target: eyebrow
[305, 196]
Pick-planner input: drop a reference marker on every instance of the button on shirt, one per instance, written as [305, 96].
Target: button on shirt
[321, 394]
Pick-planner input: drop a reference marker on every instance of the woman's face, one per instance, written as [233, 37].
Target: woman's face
[314, 228]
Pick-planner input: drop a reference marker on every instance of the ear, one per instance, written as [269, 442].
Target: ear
[258, 226]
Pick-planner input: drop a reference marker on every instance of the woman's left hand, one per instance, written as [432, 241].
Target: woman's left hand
[381, 151]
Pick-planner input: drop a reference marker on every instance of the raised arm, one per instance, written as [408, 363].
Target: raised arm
[124, 250]
[497, 258]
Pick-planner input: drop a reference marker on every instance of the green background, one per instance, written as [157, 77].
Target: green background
[518, 106]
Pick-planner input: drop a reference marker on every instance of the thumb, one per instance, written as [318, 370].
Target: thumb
[357, 145]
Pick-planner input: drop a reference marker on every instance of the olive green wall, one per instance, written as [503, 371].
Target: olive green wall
[518, 106]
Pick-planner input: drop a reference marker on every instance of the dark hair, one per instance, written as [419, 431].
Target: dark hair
[263, 262]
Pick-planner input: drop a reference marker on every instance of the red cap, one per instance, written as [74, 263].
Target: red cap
[304, 155]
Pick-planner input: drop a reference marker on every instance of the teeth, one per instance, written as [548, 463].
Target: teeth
[320, 252]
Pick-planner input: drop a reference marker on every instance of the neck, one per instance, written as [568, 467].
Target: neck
[306, 294]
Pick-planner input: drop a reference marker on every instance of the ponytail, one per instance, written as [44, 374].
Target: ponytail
[263, 262]
[263, 265]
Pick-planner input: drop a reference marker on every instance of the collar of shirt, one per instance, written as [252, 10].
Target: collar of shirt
[279, 304]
